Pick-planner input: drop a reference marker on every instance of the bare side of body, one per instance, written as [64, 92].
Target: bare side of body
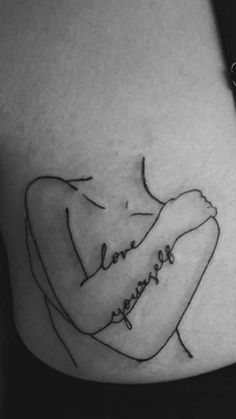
[117, 189]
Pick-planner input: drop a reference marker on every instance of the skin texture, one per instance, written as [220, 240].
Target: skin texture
[87, 89]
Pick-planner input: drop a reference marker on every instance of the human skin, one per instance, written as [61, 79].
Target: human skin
[88, 89]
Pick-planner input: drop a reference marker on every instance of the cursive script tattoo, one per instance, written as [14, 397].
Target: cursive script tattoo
[121, 314]
[116, 256]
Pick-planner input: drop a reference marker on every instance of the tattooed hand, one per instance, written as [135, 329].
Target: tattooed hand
[186, 212]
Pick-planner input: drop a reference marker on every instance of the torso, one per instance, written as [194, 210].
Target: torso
[134, 80]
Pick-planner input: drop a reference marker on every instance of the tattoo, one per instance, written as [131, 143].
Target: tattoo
[121, 314]
[93, 202]
[112, 293]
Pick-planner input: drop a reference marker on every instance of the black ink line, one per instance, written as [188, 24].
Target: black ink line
[62, 313]
[126, 204]
[141, 213]
[47, 300]
[183, 345]
[73, 243]
[93, 202]
[49, 177]
[43, 265]
[145, 184]
[139, 360]
[57, 333]
[201, 195]
[29, 254]
[82, 179]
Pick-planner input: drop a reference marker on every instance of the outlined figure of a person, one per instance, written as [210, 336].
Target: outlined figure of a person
[125, 280]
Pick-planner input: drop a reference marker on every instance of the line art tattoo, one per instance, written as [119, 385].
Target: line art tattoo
[158, 272]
